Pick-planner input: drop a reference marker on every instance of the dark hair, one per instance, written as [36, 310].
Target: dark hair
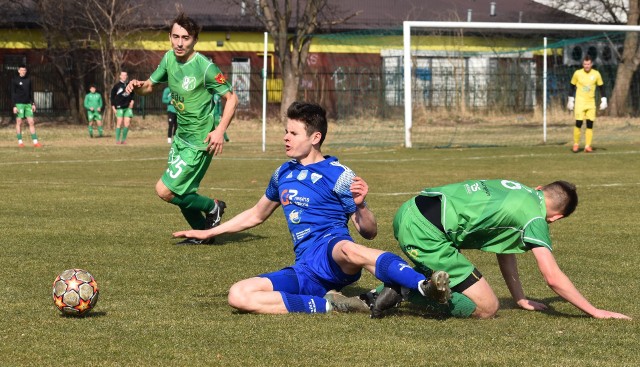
[587, 58]
[313, 116]
[188, 24]
[22, 66]
[564, 196]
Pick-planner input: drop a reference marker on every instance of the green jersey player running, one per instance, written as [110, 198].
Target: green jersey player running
[500, 216]
[192, 79]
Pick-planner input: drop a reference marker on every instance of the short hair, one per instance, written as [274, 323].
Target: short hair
[564, 196]
[587, 58]
[190, 25]
[312, 115]
[22, 66]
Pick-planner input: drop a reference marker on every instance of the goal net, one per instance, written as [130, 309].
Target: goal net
[496, 84]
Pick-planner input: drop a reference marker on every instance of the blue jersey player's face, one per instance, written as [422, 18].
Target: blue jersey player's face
[181, 42]
[297, 144]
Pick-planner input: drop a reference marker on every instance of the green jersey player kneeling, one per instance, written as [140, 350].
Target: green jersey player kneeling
[499, 216]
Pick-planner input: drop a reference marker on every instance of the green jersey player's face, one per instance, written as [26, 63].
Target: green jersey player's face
[181, 42]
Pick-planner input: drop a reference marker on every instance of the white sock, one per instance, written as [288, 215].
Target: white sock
[420, 287]
[169, 140]
[35, 141]
[20, 141]
[329, 307]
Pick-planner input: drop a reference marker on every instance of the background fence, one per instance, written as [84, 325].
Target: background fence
[458, 102]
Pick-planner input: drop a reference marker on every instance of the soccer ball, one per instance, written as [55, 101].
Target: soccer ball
[75, 292]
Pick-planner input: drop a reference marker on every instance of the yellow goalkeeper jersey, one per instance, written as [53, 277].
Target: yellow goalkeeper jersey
[586, 84]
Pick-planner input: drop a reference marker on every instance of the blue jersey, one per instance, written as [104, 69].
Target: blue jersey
[316, 201]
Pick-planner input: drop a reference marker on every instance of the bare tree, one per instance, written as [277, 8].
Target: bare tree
[292, 25]
[612, 12]
[110, 26]
[85, 36]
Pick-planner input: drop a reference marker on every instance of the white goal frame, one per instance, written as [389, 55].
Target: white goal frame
[406, 32]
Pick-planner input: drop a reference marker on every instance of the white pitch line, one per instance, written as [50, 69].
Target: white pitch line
[345, 155]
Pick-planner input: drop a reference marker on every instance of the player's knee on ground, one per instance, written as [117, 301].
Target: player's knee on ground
[481, 294]
[238, 298]
[486, 309]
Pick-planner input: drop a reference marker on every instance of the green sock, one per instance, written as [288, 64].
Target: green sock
[194, 201]
[19, 136]
[459, 306]
[118, 134]
[125, 131]
[194, 217]
[91, 131]
[34, 136]
[100, 130]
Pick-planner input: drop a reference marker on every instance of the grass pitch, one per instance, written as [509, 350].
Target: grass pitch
[87, 203]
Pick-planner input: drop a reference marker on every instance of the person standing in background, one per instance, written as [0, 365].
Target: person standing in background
[23, 105]
[171, 114]
[93, 104]
[122, 105]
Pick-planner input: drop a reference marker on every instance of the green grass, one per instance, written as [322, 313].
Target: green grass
[91, 204]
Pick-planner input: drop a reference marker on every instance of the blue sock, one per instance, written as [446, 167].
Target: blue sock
[391, 268]
[304, 303]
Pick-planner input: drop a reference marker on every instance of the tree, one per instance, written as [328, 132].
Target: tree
[292, 24]
[85, 36]
[612, 12]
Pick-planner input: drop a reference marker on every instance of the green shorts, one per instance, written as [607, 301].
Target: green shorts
[94, 116]
[187, 166]
[124, 112]
[428, 247]
[24, 110]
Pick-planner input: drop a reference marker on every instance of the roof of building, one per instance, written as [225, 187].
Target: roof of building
[362, 14]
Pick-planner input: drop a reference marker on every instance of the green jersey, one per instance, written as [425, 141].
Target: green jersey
[93, 100]
[497, 216]
[192, 84]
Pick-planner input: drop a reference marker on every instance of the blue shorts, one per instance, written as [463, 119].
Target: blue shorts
[314, 275]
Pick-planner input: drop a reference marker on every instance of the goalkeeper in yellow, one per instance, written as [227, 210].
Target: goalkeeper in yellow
[583, 102]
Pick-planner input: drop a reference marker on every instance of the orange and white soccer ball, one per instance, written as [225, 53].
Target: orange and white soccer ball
[75, 292]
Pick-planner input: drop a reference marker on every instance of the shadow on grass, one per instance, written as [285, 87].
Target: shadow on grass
[508, 304]
[231, 239]
[89, 315]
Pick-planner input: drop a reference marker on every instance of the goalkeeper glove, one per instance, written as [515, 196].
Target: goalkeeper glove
[570, 103]
[603, 103]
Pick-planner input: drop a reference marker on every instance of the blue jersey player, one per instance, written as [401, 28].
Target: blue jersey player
[318, 196]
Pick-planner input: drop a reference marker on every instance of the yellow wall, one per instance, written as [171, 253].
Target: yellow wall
[253, 42]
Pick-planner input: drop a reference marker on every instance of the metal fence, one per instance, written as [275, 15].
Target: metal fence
[348, 92]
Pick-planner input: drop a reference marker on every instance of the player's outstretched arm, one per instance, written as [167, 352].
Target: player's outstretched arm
[509, 269]
[363, 219]
[245, 220]
[562, 285]
[140, 87]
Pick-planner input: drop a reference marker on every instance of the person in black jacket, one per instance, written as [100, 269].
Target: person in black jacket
[23, 105]
[122, 105]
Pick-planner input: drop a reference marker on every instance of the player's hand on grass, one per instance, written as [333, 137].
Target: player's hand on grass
[530, 305]
[193, 233]
[604, 314]
[359, 190]
[215, 141]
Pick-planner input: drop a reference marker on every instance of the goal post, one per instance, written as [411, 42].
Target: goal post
[407, 64]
